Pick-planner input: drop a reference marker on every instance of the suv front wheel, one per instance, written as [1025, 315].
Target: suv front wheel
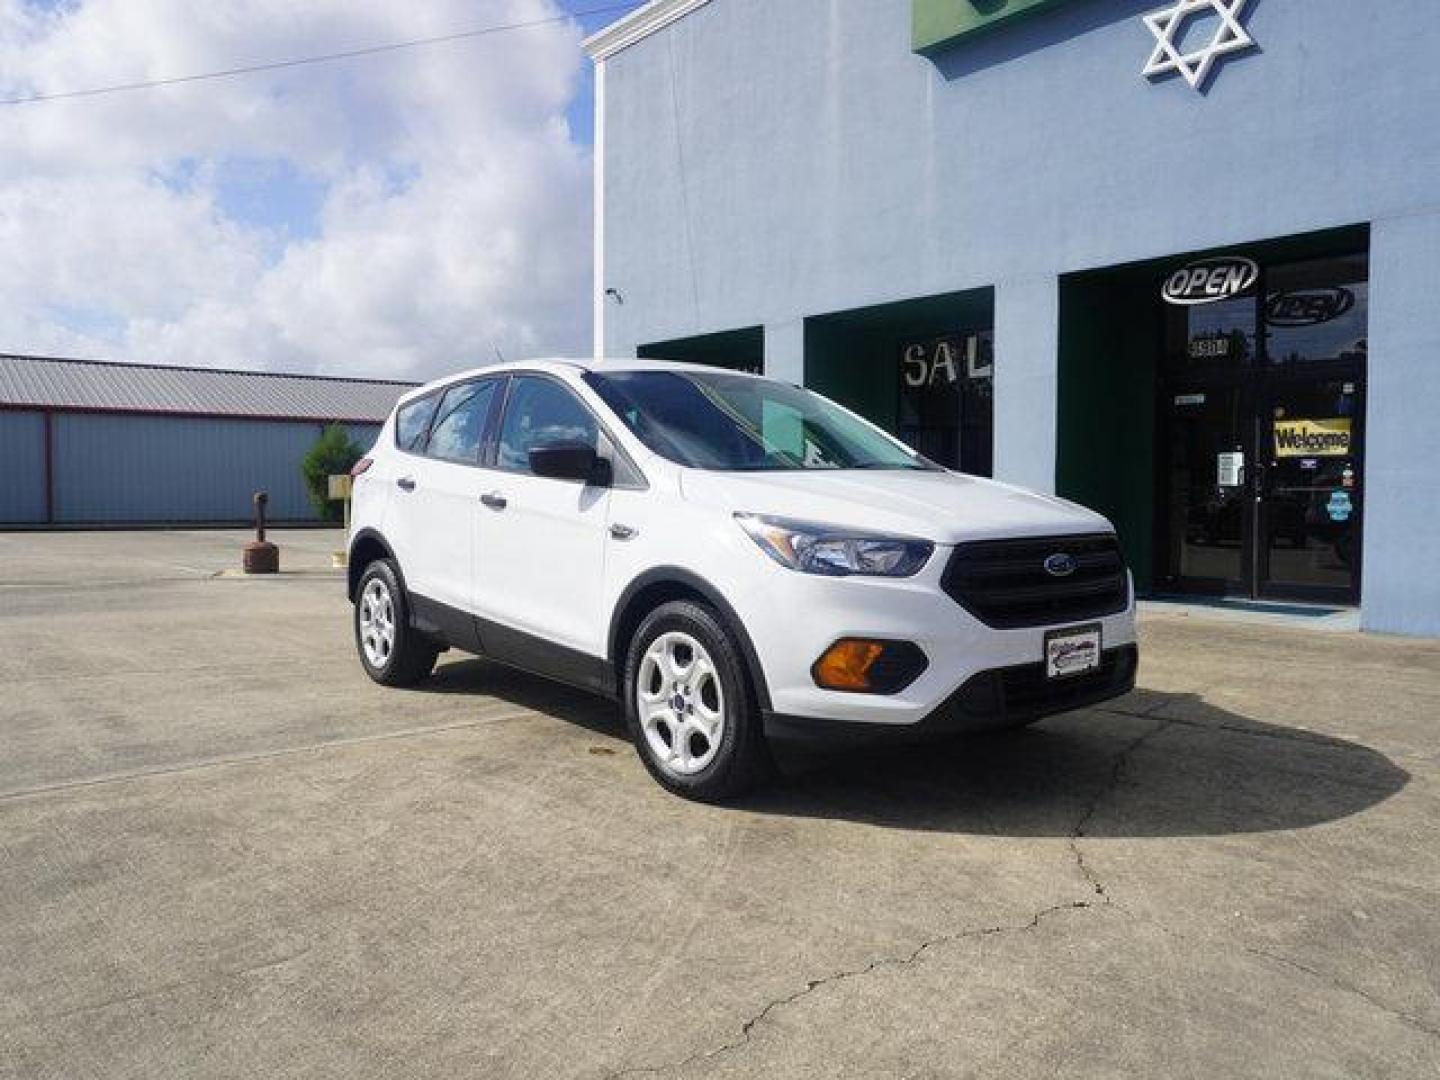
[691, 710]
[392, 651]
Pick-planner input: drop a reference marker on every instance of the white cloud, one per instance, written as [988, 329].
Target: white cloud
[415, 211]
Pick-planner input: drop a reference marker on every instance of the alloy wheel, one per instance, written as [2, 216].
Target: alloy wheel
[377, 623]
[680, 703]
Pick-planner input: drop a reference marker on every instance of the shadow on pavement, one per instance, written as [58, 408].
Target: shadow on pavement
[1152, 765]
[476, 677]
[1182, 768]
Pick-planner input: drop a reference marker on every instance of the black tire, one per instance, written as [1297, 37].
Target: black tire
[411, 657]
[742, 759]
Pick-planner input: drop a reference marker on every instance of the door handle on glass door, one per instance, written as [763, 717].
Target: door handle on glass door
[405, 483]
[494, 500]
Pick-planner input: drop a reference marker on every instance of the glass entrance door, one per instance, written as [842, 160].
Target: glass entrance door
[1262, 485]
[1207, 487]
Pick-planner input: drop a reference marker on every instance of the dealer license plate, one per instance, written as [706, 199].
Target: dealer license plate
[1072, 652]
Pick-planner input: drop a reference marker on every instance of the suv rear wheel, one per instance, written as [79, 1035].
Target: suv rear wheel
[391, 650]
[691, 710]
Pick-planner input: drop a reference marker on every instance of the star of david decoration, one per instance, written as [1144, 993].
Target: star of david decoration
[1195, 66]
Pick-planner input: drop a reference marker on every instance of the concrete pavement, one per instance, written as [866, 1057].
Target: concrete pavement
[224, 852]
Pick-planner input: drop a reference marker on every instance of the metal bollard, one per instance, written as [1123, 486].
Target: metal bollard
[260, 556]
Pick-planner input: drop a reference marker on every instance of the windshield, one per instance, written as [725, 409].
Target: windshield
[732, 422]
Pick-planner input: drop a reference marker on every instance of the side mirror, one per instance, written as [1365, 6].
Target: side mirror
[567, 461]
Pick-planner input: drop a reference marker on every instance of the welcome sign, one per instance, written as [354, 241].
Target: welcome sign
[940, 22]
[1313, 438]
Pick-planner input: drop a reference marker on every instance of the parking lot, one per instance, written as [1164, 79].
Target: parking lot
[224, 852]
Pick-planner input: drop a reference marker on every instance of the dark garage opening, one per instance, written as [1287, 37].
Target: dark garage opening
[922, 369]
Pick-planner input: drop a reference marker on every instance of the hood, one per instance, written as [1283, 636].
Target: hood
[945, 507]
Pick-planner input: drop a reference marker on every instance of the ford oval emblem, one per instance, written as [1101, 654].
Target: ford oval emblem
[1209, 281]
[1060, 565]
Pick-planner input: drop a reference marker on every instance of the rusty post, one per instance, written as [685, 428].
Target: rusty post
[260, 556]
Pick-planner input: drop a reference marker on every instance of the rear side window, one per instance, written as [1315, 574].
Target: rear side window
[539, 412]
[459, 423]
[413, 422]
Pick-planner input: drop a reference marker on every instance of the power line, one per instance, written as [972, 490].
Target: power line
[324, 58]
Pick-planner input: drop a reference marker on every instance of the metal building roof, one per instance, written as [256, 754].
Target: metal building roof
[93, 385]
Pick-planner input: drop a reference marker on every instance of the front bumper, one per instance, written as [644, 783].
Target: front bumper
[989, 700]
[793, 618]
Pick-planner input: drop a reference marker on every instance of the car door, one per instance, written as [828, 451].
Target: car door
[439, 494]
[541, 541]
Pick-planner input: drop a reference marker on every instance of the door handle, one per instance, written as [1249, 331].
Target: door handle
[494, 500]
[622, 532]
[405, 483]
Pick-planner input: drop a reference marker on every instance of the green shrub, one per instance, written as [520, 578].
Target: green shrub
[332, 454]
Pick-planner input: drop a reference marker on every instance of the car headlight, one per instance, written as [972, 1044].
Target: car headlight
[834, 552]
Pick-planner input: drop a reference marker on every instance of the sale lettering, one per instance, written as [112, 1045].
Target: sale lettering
[943, 362]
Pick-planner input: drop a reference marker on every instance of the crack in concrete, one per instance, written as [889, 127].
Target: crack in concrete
[1408, 1019]
[748, 1027]
[1117, 773]
[1315, 739]
[1318, 739]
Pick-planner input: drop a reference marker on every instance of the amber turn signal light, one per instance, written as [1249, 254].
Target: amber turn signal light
[862, 666]
[846, 664]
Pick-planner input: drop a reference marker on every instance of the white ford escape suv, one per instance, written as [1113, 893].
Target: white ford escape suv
[734, 558]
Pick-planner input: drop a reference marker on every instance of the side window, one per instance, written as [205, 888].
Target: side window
[412, 423]
[460, 422]
[541, 411]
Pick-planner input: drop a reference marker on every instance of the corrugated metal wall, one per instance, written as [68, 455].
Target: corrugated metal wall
[22, 467]
[131, 469]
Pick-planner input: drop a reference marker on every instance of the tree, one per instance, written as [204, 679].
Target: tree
[332, 454]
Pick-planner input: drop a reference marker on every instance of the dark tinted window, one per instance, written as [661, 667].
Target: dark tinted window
[947, 397]
[1318, 311]
[541, 411]
[460, 423]
[413, 422]
[1208, 335]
